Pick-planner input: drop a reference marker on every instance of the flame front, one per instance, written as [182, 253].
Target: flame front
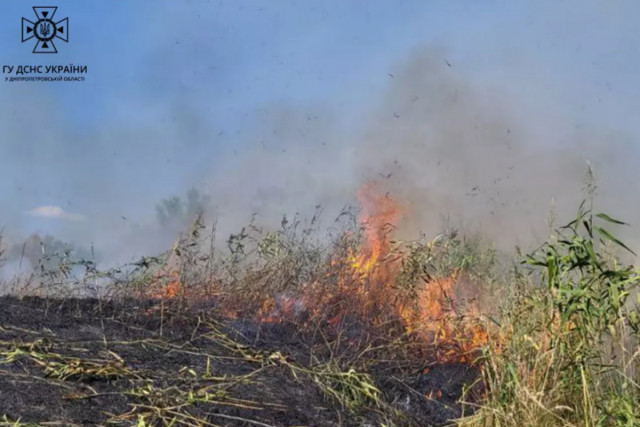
[433, 314]
[361, 283]
[379, 215]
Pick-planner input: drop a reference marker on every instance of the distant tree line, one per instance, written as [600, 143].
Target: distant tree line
[175, 213]
[46, 251]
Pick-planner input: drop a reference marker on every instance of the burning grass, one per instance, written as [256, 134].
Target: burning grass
[287, 329]
[364, 277]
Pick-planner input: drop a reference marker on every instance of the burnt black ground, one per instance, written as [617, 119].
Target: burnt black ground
[86, 362]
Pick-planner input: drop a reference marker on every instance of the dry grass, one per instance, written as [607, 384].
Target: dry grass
[559, 348]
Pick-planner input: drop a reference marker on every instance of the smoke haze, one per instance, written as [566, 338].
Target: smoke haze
[493, 146]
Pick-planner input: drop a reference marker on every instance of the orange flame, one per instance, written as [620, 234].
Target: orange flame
[361, 283]
[434, 314]
[379, 215]
[443, 321]
[165, 285]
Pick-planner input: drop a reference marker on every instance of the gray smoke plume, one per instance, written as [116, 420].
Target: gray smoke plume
[440, 142]
[443, 147]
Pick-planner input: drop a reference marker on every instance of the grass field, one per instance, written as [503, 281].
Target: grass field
[285, 328]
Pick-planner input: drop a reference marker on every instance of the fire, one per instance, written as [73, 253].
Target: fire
[379, 215]
[275, 310]
[166, 285]
[435, 315]
[360, 282]
[173, 287]
[441, 319]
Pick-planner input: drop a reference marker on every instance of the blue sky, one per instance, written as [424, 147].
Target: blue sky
[179, 90]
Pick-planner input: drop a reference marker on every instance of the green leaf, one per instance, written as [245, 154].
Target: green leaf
[609, 219]
[592, 255]
[612, 238]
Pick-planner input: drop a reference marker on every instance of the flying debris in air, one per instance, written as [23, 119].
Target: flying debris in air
[474, 191]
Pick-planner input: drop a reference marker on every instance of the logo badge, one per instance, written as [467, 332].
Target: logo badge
[45, 29]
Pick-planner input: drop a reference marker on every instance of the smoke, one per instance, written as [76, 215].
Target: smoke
[451, 150]
[442, 143]
[480, 156]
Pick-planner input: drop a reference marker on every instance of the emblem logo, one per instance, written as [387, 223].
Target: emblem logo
[45, 29]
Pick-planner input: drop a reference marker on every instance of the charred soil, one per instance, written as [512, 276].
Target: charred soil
[134, 362]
